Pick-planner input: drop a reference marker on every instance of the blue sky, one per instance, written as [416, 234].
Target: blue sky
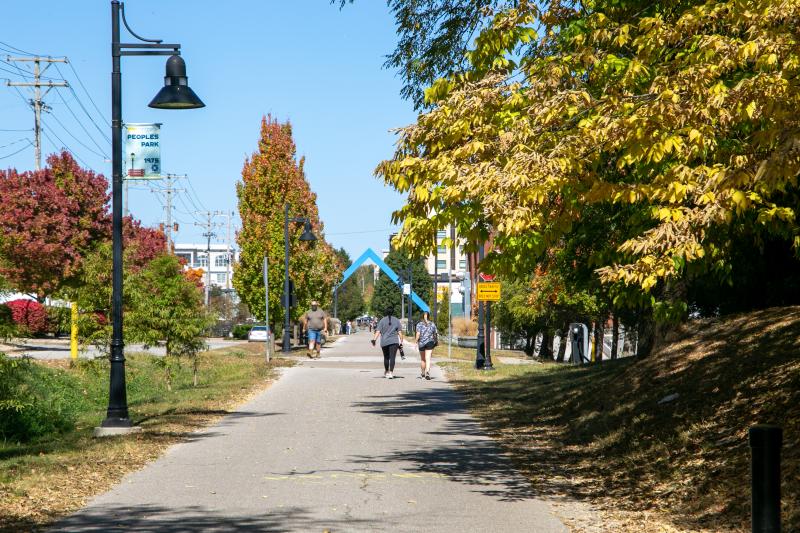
[305, 61]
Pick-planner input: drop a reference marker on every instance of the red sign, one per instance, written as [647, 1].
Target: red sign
[136, 173]
[486, 277]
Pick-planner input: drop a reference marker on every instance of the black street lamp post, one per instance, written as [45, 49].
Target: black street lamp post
[307, 236]
[175, 94]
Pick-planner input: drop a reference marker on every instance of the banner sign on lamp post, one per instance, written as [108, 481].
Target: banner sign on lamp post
[143, 151]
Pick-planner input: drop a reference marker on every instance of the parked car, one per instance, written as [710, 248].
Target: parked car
[257, 334]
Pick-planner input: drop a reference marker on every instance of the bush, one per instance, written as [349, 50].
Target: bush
[30, 316]
[36, 401]
[464, 328]
[7, 327]
[240, 331]
[59, 320]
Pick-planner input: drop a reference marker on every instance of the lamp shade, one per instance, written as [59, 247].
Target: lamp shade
[307, 235]
[176, 93]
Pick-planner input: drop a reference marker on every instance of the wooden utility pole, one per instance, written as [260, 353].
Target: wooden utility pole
[37, 103]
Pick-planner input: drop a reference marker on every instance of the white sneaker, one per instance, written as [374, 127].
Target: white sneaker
[386, 375]
[390, 375]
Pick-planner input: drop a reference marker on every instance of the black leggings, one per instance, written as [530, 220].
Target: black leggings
[389, 353]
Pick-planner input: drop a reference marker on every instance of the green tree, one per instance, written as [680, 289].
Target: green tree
[443, 311]
[166, 307]
[388, 294]
[271, 178]
[350, 296]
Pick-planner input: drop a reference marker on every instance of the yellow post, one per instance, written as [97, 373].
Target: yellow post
[73, 337]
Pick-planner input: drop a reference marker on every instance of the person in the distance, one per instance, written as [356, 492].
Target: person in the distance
[390, 331]
[316, 322]
[427, 339]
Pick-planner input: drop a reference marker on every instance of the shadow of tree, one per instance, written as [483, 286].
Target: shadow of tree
[472, 458]
[600, 432]
[151, 518]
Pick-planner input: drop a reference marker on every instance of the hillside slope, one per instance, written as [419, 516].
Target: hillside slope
[600, 434]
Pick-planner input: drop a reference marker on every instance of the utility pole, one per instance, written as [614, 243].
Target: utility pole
[209, 226]
[36, 102]
[169, 227]
[229, 269]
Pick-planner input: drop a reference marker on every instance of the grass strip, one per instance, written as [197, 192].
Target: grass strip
[55, 474]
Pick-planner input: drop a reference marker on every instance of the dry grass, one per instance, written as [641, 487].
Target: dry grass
[599, 434]
[44, 481]
[463, 327]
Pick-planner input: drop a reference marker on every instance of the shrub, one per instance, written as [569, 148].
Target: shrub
[464, 328]
[240, 331]
[59, 320]
[8, 328]
[36, 401]
[30, 316]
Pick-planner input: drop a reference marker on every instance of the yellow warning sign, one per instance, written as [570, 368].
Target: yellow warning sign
[488, 291]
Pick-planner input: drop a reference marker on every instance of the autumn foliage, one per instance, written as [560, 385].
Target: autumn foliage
[49, 220]
[30, 316]
[271, 178]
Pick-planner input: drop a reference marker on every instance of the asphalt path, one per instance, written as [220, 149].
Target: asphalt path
[331, 446]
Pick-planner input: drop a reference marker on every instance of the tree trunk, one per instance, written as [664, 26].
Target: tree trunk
[530, 345]
[562, 347]
[194, 370]
[615, 337]
[167, 367]
[546, 351]
[598, 340]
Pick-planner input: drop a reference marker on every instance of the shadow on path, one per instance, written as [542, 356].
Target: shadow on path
[151, 518]
[465, 455]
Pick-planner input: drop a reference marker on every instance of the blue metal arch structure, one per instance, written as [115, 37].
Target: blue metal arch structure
[369, 254]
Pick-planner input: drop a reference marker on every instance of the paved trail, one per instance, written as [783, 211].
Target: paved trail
[331, 446]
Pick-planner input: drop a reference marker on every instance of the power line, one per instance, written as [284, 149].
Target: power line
[38, 97]
[88, 95]
[15, 142]
[61, 96]
[104, 156]
[67, 148]
[29, 129]
[15, 49]
[18, 151]
[80, 103]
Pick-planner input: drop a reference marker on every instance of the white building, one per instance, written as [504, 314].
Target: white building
[219, 266]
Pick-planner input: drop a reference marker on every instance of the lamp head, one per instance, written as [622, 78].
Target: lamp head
[176, 93]
[307, 234]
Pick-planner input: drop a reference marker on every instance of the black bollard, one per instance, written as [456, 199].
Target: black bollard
[765, 446]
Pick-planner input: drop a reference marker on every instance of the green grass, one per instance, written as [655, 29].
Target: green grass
[50, 474]
[598, 432]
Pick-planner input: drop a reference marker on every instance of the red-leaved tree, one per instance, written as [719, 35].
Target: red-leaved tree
[49, 220]
[30, 316]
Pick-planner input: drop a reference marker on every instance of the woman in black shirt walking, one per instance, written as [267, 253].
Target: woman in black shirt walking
[390, 331]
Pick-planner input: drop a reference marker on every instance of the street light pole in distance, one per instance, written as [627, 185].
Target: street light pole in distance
[175, 94]
[307, 236]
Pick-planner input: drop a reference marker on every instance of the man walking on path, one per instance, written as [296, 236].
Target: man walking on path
[316, 322]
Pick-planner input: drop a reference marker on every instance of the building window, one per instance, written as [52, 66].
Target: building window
[221, 260]
[441, 249]
[185, 258]
[202, 260]
[462, 264]
[221, 278]
[441, 264]
[441, 234]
